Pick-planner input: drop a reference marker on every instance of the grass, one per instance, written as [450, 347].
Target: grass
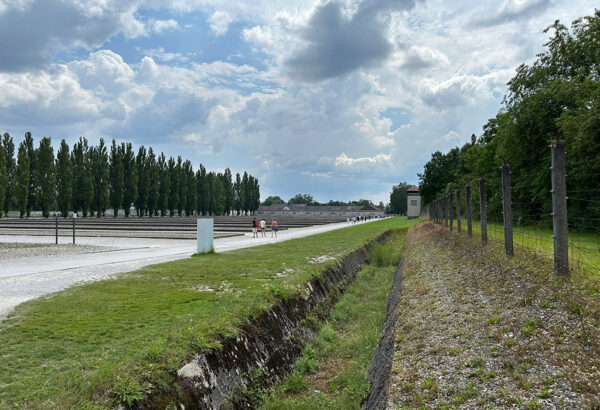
[340, 356]
[106, 343]
[584, 247]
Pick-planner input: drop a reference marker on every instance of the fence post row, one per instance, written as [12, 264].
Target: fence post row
[559, 209]
[507, 211]
[450, 202]
[469, 215]
[458, 220]
[483, 211]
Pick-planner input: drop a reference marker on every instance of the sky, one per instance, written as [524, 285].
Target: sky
[337, 99]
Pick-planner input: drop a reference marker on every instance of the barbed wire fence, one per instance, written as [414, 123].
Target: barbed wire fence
[564, 233]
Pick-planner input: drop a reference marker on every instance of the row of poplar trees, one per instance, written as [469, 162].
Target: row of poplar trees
[91, 179]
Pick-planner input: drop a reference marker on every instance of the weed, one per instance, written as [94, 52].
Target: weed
[127, 391]
[455, 351]
[494, 320]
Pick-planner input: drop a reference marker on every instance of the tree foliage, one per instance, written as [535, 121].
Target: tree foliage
[64, 179]
[557, 97]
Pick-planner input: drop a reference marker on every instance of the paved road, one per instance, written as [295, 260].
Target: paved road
[22, 279]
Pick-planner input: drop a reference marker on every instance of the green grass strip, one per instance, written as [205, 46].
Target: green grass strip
[101, 344]
[333, 372]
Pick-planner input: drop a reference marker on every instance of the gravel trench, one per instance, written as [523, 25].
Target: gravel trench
[477, 330]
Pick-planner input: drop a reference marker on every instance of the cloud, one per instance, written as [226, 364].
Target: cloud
[362, 163]
[336, 44]
[219, 22]
[30, 33]
[421, 57]
[158, 26]
[511, 11]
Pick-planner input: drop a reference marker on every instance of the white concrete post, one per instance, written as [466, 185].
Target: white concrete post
[204, 235]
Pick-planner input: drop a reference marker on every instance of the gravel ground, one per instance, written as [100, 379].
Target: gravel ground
[477, 330]
[27, 250]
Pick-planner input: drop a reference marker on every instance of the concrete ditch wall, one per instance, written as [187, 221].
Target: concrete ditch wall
[264, 349]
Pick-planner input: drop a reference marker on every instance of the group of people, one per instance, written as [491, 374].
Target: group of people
[262, 225]
[358, 218]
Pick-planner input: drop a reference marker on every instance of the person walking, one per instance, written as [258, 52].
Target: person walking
[263, 227]
[254, 228]
[274, 227]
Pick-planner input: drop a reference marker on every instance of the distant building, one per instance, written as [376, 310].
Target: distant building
[303, 210]
[413, 198]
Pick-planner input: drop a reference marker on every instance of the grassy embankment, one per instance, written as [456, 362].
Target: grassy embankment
[333, 372]
[101, 344]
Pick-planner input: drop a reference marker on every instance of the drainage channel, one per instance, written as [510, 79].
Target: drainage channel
[264, 350]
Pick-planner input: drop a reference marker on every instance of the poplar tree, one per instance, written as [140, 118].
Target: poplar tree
[21, 188]
[3, 177]
[245, 193]
[9, 153]
[64, 179]
[45, 180]
[190, 182]
[28, 141]
[181, 187]
[130, 179]
[143, 182]
[202, 191]
[100, 176]
[173, 201]
[237, 196]
[163, 185]
[153, 182]
[82, 181]
[115, 173]
[228, 189]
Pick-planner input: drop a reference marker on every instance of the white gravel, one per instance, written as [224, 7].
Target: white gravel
[27, 273]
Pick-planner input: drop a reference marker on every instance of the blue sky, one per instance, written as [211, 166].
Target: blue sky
[338, 99]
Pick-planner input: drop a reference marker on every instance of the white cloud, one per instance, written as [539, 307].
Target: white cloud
[362, 163]
[219, 22]
[158, 26]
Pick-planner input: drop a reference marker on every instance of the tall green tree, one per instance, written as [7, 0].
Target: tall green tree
[11, 164]
[143, 182]
[153, 182]
[229, 191]
[173, 201]
[301, 199]
[130, 178]
[45, 181]
[64, 179]
[202, 191]
[181, 187]
[82, 178]
[116, 177]
[273, 200]
[255, 197]
[237, 194]
[29, 145]
[21, 188]
[163, 185]
[398, 198]
[245, 194]
[100, 176]
[190, 181]
[3, 177]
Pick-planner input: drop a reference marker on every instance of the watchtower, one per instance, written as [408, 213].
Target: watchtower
[413, 199]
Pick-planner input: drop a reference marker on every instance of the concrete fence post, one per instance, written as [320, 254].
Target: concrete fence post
[559, 209]
[507, 211]
[445, 199]
[469, 213]
[482, 211]
[56, 228]
[450, 204]
[458, 215]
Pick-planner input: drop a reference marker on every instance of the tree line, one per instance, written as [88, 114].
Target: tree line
[89, 179]
[555, 98]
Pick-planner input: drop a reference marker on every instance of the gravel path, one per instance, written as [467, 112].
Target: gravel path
[30, 272]
[477, 330]
[9, 251]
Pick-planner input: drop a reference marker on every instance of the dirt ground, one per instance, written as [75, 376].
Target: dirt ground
[477, 329]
